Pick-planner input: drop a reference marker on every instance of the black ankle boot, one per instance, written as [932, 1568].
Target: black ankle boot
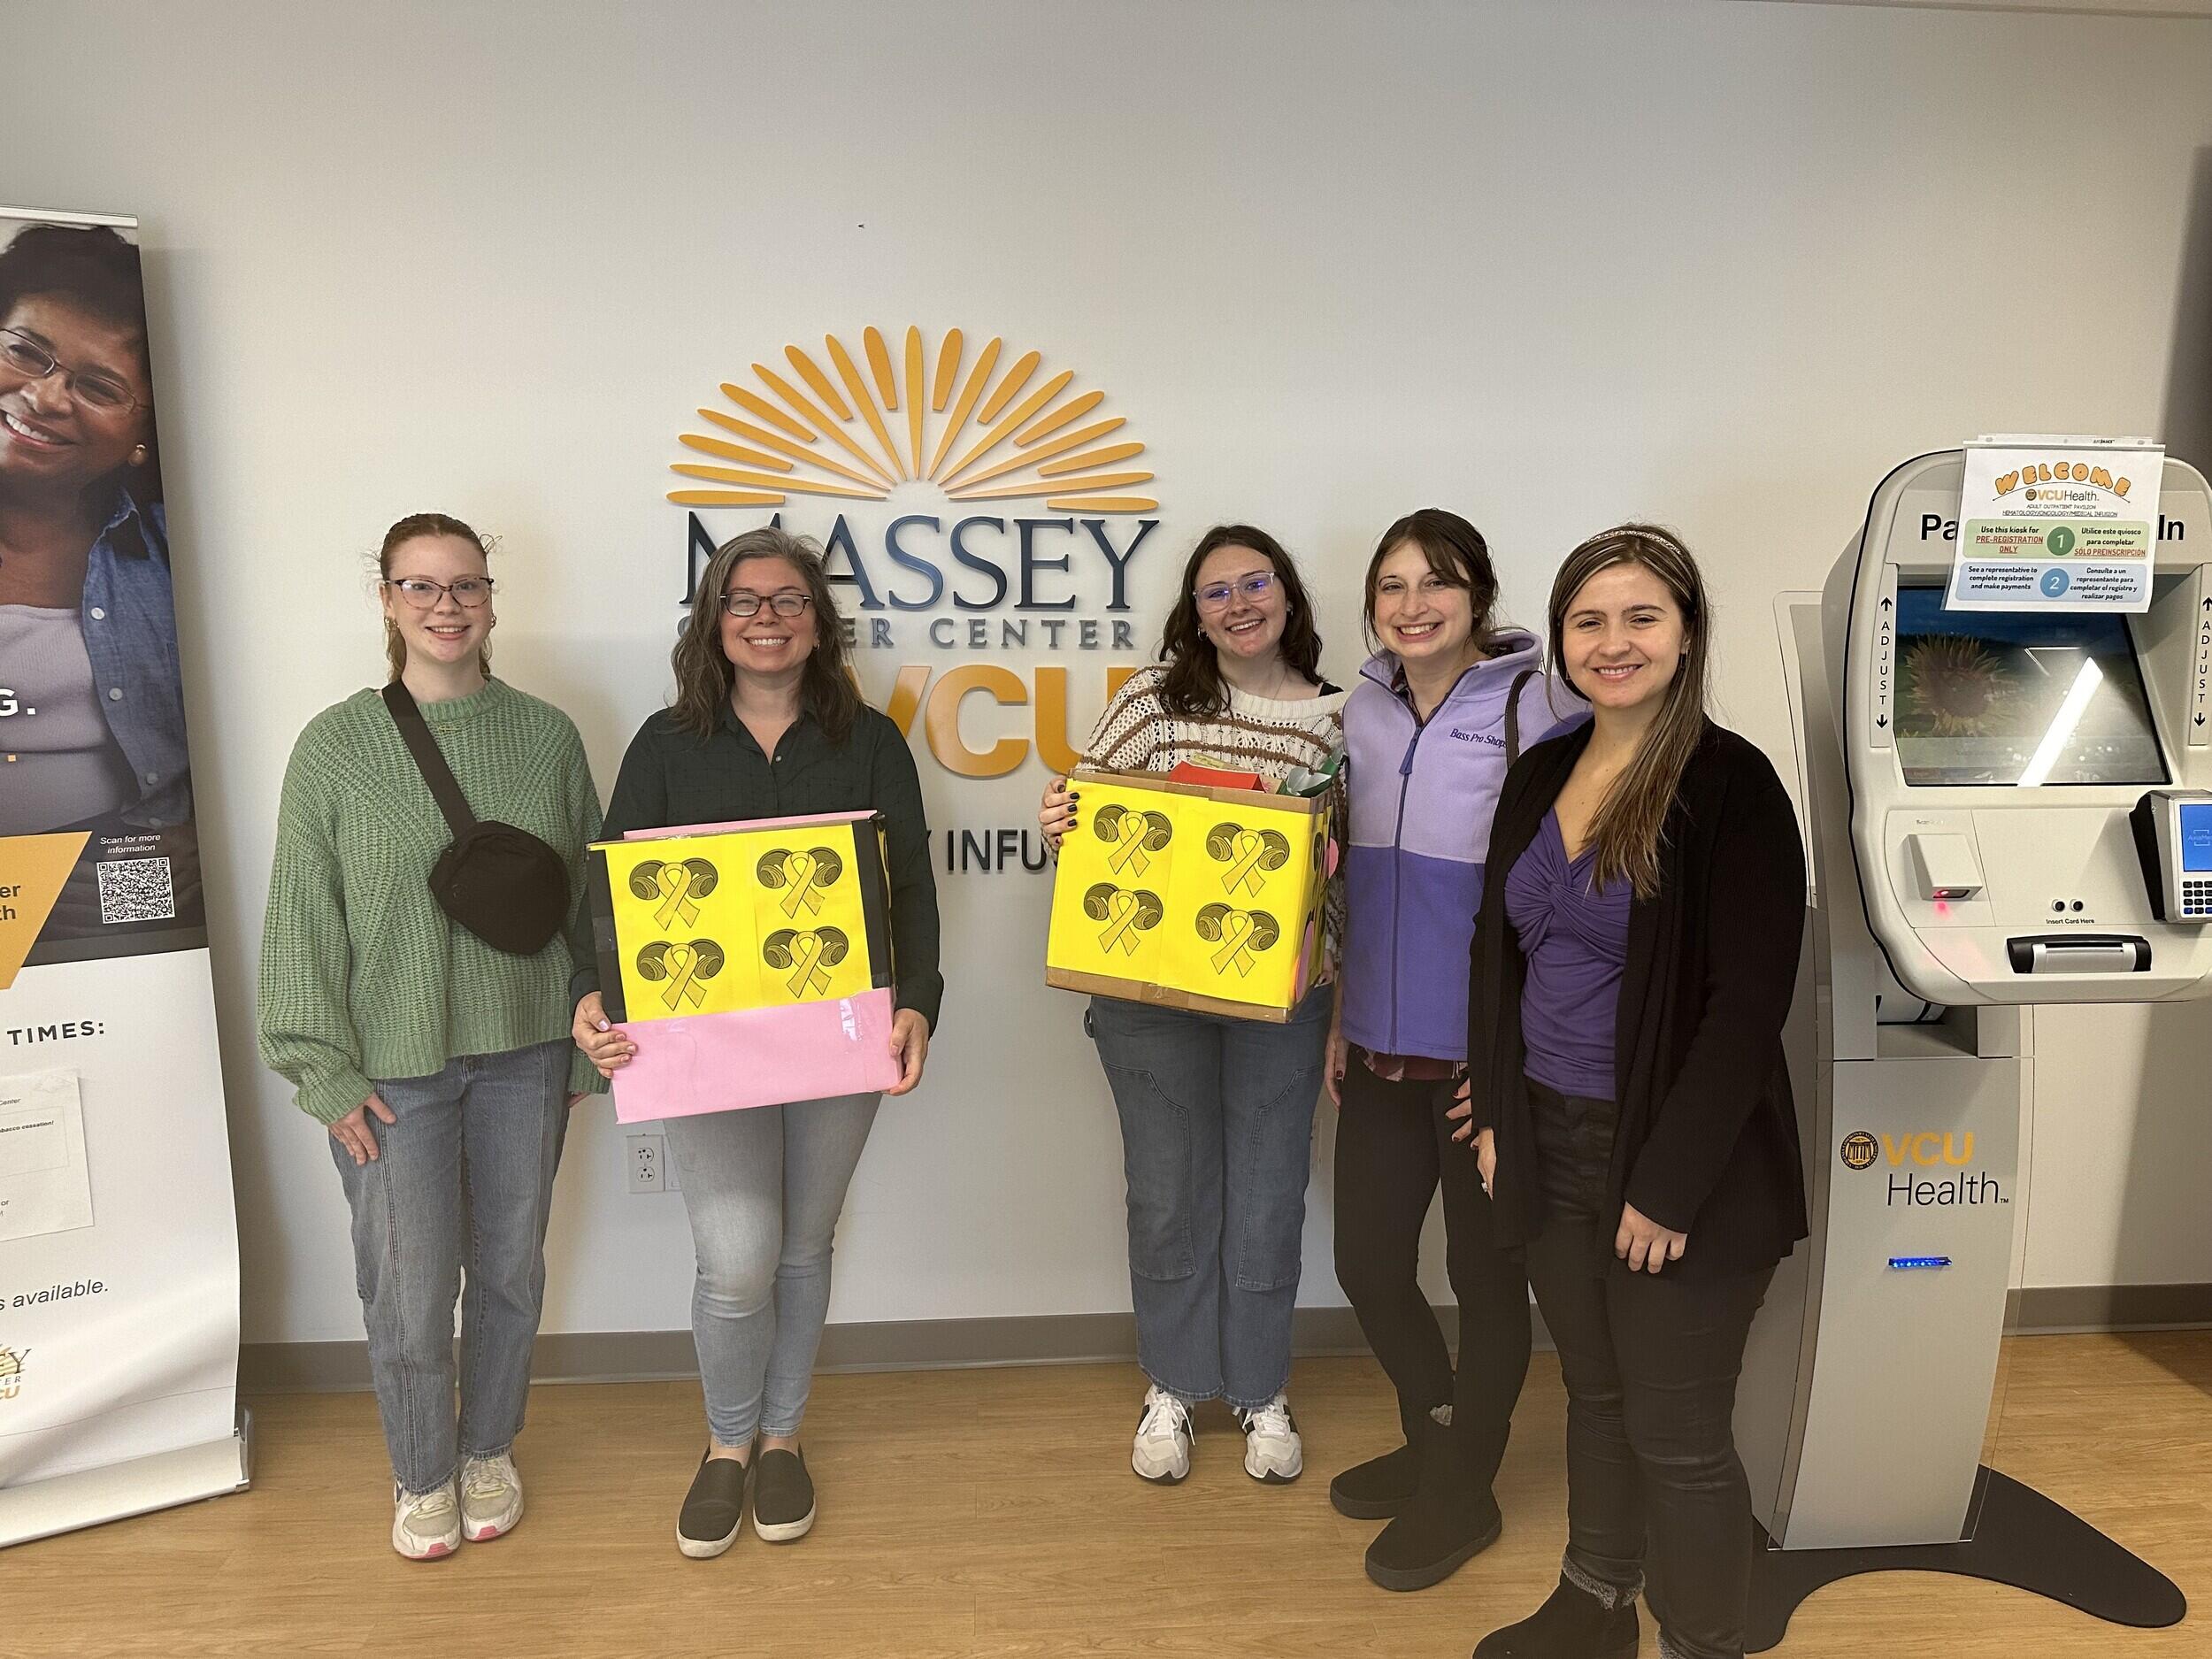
[1382, 1487]
[1452, 1517]
[1571, 1624]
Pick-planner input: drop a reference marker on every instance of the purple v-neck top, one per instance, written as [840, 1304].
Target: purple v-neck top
[1576, 942]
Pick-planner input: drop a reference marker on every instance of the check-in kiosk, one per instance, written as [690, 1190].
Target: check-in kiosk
[2002, 810]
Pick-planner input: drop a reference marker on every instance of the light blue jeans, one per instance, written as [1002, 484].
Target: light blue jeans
[765, 1187]
[1216, 1138]
[463, 1182]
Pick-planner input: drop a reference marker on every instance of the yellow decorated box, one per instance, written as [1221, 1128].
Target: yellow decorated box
[1189, 896]
[750, 963]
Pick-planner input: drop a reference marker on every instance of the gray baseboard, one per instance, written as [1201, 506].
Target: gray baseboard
[1072, 1338]
[2057, 1309]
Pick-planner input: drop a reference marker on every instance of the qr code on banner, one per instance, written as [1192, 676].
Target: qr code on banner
[137, 890]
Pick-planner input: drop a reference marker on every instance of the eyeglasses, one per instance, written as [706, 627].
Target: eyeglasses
[423, 593]
[744, 604]
[90, 386]
[1256, 588]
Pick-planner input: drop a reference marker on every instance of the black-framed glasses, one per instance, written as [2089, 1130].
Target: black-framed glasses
[422, 594]
[1217, 595]
[786, 604]
[92, 388]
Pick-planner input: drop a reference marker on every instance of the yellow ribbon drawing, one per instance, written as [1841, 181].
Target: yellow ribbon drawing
[1251, 846]
[1129, 853]
[1236, 948]
[675, 884]
[798, 868]
[683, 963]
[1124, 910]
[811, 979]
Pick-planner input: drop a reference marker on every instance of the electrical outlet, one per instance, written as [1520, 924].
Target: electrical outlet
[647, 1158]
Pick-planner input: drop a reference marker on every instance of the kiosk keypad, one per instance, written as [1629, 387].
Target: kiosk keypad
[2173, 838]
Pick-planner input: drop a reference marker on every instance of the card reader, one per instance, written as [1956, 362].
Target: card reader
[2173, 838]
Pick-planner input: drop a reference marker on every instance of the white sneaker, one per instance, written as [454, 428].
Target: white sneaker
[491, 1497]
[1162, 1452]
[1272, 1450]
[426, 1525]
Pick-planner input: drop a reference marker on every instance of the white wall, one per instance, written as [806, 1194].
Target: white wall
[1553, 265]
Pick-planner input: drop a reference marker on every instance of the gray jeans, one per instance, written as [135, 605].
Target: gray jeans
[464, 1180]
[765, 1187]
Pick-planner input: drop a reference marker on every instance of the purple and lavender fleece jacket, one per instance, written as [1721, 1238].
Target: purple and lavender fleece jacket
[1422, 798]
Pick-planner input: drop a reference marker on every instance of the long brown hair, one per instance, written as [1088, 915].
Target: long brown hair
[1632, 820]
[1192, 689]
[1455, 551]
[412, 527]
[704, 674]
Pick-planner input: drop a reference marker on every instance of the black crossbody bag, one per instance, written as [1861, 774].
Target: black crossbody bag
[503, 884]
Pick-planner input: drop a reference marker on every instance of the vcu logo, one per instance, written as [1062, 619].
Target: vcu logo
[1928, 1149]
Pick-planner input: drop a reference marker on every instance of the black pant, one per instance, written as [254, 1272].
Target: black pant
[1650, 1364]
[1393, 1148]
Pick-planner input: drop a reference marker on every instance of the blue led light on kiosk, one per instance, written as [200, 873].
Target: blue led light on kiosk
[1920, 1261]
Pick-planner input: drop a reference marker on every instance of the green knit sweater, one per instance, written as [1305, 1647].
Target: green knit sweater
[362, 975]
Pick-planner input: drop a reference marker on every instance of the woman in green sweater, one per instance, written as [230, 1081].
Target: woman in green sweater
[441, 1065]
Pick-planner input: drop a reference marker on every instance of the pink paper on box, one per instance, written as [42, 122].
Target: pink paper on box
[765, 1057]
[731, 824]
[761, 1057]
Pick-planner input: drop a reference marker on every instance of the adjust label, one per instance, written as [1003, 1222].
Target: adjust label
[2200, 670]
[1884, 714]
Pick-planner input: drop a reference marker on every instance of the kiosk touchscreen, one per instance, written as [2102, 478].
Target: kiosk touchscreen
[2003, 809]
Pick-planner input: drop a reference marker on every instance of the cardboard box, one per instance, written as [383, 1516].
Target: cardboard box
[750, 962]
[1190, 897]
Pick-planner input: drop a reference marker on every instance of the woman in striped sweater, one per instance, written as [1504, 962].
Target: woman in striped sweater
[1217, 1114]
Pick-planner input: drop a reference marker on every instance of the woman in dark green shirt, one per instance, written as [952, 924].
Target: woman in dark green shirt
[767, 723]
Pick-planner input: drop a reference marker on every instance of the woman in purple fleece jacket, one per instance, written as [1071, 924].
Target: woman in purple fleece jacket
[1431, 727]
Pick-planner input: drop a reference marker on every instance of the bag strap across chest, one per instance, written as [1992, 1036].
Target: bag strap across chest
[414, 731]
[1513, 715]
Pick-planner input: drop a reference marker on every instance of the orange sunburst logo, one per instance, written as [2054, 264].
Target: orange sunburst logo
[977, 433]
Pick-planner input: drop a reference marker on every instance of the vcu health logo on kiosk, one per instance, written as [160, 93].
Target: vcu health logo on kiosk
[1934, 1151]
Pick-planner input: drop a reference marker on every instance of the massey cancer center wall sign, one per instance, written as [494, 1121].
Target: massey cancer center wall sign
[968, 506]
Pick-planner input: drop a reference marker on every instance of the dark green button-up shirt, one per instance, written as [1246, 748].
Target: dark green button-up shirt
[671, 777]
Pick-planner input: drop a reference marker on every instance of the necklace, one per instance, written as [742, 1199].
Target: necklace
[1286, 679]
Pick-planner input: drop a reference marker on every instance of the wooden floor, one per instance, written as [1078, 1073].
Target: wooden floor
[994, 1513]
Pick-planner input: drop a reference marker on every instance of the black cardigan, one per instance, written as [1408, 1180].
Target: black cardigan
[1707, 1142]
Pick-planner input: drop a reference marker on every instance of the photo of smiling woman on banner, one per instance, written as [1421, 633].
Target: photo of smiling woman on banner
[91, 708]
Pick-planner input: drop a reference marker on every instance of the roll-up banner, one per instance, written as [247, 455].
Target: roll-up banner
[119, 1241]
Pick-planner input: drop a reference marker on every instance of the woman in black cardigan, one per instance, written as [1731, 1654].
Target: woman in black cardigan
[1633, 963]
